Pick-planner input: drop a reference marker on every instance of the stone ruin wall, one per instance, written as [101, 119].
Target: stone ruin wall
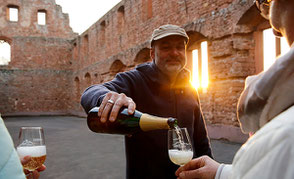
[36, 79]
[51, 68]
[120, 40]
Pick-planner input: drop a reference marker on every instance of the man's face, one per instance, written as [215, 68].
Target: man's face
[169, 54]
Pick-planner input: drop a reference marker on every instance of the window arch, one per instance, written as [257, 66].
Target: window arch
[120, 18]
[267, 46]
[88, 79]
[116, 67]
[143, 56]
[197, 59]
[77, 87]
[5, 52]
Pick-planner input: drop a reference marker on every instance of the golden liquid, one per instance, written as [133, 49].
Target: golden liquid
[35, 163]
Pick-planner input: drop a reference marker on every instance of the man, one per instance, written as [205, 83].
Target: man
[267, 103]
[160, 88]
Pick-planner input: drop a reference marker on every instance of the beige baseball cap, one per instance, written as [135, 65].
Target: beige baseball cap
[168, 30]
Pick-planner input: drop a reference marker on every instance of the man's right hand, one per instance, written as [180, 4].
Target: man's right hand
[111, 105]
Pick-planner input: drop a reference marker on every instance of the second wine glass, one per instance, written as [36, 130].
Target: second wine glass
[180, 149]
[32, 143]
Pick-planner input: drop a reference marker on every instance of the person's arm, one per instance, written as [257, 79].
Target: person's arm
[111, 96]
[200, 137]
[223, 171]
[94, 95]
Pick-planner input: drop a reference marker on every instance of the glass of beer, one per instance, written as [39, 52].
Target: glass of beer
[179, 146]
[32, 143]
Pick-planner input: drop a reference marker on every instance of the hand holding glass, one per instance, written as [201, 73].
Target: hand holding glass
[32, 143]
[179, 146]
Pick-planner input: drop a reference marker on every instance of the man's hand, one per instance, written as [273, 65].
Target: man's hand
[202, 167]
[32, 174]
[112, 103]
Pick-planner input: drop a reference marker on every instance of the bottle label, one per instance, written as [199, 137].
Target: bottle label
[149, 122]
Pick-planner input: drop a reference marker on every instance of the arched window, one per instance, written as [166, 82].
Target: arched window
[86, 45]
[116, 67]
[197, 55]
[88, 79]
[5, 52]
[102, 32]
[77, 87]
[143, 56]
[120, 18]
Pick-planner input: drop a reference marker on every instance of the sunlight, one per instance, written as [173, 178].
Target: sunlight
[4, 53]
[13, 14]
[200, 81]
[204, 68]
[195, 72]
[269, 48]
[42, 18]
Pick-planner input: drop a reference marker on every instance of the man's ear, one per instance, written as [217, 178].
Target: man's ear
[152, 53]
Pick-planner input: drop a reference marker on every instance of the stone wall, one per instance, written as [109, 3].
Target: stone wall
[36, 81]
[122, 36]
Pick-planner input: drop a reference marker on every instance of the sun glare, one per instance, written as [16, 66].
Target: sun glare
[200, 80]
[204, 69]
[195, 72]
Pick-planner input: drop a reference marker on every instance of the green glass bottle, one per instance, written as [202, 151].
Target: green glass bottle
[128, 124]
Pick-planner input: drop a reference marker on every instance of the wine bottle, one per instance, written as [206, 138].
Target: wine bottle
[128, 124]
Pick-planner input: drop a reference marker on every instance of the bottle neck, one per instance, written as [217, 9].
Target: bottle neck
[149, 122]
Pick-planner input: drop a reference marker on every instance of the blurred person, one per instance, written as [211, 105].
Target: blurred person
[161, 88]
[266, 108]
[10, 164]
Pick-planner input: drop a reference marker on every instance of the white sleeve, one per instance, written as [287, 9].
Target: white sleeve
[223, 171]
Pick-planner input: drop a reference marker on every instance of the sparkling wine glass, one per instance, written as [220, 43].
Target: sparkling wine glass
[179, 146]
[32, 143]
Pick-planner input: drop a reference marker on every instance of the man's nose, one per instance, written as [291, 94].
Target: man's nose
[175, 51]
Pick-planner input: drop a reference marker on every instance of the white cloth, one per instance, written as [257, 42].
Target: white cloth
[10, 166]
[266, 106]
[267, 154]
[267, 94]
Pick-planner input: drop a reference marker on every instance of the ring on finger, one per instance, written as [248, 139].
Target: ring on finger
[110, 101]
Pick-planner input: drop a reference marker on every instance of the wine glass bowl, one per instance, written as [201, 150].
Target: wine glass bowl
[179, 146]
[32, 143]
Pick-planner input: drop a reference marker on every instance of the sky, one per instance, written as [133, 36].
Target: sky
[84, 13]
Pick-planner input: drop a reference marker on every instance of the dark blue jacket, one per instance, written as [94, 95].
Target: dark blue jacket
[146, 152]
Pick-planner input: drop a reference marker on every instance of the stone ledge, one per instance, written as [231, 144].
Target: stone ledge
[230, 133]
